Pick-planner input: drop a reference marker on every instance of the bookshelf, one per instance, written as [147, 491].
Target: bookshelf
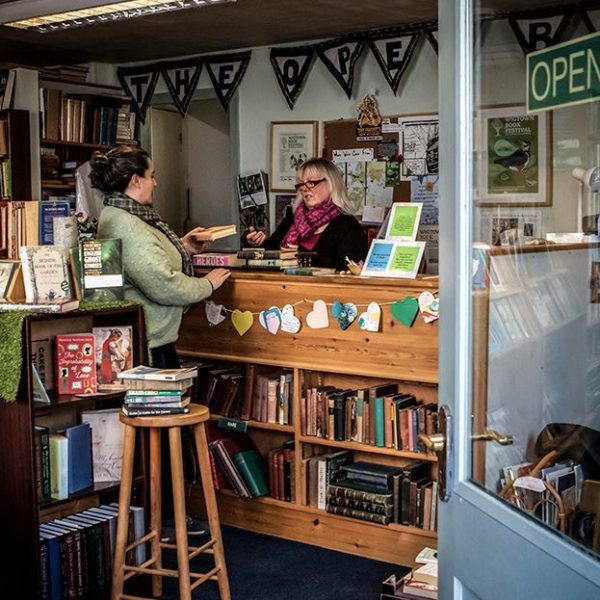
[349, 359]
[24, 511]
[15, 164]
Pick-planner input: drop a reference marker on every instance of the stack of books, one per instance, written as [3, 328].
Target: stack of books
[260, 258]
[421, 582]
[153, 392]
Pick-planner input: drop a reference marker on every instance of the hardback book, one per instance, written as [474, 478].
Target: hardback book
[114, 354]
[211, 234]
[102, 269]
[59, 466]
[79, 439]
[54, 307]
[45, 274]
[149, 403]
[218, 259]
[53, 589]
[253, 469]
[75, 363]
[135, 397]
[153, 374]
[153, 385]
[107, 443]
[154, 410]
[261, 253]
[42, 461]
[371, 472]
[363, 515]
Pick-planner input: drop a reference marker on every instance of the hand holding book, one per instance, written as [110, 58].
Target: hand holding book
[196, 240]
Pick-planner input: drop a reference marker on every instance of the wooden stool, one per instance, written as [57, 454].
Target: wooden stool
[196, 418]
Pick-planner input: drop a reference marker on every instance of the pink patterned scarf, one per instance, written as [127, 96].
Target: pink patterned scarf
[307, 221]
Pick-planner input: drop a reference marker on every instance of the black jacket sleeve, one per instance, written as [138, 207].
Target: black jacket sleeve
[344, 237]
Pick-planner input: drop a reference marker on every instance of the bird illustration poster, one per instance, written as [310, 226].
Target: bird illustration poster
[513, 163]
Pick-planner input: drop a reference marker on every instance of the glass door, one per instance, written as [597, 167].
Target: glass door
[520, 294]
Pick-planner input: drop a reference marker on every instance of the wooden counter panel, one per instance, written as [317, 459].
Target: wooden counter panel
[397, 351]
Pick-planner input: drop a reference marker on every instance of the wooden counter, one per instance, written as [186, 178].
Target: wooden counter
[351, 359]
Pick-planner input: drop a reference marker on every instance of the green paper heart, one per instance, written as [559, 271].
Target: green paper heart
[405, 310]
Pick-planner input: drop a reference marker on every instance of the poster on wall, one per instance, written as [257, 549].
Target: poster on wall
[513, 165]
[419, 146]
[292, 143]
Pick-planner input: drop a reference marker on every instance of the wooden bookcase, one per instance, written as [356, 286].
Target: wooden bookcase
[20, 573]
[351, 358]
[14, 151]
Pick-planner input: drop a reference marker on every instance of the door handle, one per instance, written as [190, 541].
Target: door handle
[441, 444]
[491, 435]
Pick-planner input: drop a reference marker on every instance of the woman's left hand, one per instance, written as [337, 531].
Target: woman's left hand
[195, 241]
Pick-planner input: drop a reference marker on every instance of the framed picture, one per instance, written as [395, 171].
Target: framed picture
[292, 143]
[403, 222]
[513, 157]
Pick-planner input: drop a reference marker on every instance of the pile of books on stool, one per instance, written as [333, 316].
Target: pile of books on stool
[421, 582]
[152, 392]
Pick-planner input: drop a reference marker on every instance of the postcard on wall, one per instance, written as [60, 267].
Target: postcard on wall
[252, 189]
[403, 222]
[507, 227]
[388, 258]
[378, 192]
[419, 145]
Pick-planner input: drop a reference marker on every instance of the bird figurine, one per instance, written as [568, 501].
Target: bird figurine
[518, 160]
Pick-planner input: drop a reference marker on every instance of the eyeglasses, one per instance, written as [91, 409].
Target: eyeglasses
[310, 184]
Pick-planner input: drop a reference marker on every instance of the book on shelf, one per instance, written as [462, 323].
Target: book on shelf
[253, 469]
[79, 448]
[7, 271]
[45, 274]
[45, 307]
[75, 363]
[42, 462]
[145, 373]
[153, 396]
[107, 443]
[59, 466]
[114, 354]
[363, 515]
[102, 269]
[261, 253]
[218, 259]
[48, 209]
[7, 86]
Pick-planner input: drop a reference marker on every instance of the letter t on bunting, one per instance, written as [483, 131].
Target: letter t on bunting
[138, 83]
[181, 79]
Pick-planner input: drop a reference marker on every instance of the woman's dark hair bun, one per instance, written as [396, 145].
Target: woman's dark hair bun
[112, 171]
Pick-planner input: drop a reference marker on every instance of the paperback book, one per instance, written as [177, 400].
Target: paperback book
[102, 269]
[153, 374]
[45, 274]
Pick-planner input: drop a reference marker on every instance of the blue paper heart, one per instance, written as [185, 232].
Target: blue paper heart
[344, 314]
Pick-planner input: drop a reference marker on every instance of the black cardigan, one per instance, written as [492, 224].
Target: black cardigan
[343, 237]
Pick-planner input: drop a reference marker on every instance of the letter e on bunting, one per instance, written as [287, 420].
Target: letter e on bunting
[291, 66]
[226, 72]
[138, 83]
[181, 79]
[340, 57]
[540, 29]
[393, 53]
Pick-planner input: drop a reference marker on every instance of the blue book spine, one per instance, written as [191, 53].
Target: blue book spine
[79, 457]
[379, 422]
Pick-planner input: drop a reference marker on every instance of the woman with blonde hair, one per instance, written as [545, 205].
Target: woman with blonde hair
[319, 220]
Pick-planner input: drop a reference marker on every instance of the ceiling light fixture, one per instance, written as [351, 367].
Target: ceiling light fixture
[101, 12]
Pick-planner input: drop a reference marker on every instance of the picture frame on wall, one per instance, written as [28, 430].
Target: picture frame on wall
[291, 144]
[513, 157]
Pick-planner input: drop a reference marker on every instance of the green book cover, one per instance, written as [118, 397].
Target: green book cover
[253, 469]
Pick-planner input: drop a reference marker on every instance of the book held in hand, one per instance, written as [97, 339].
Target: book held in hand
[210, 234]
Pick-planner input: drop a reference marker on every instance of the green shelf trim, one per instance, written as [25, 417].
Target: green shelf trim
[11, 347]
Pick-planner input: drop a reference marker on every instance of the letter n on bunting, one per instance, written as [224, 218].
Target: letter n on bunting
[138, 83]
[181, 79]
[291, 66]
[226, 72]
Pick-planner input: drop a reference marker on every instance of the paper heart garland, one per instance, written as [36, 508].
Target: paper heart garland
[429, 306]
[405, 310]
[214, 313]
[317, 318]
[270, 319]
[344, 314]
[242, 321]
[289, 322]
[369, 321]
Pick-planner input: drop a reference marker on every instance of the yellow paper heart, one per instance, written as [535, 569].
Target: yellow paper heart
[242, 321]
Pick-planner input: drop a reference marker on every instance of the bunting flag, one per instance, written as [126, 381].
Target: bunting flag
[340, 57]
[291, 66]
[138, 83]
[393, 53]
[540, 29]
[591, 19]
[226, 72]
[181, 79]
[432, 38]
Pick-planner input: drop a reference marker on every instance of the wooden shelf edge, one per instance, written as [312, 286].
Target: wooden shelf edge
[300, 365]
[317, 441]
[48, 142]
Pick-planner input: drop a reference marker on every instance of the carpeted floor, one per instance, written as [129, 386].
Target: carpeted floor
[262, 567]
